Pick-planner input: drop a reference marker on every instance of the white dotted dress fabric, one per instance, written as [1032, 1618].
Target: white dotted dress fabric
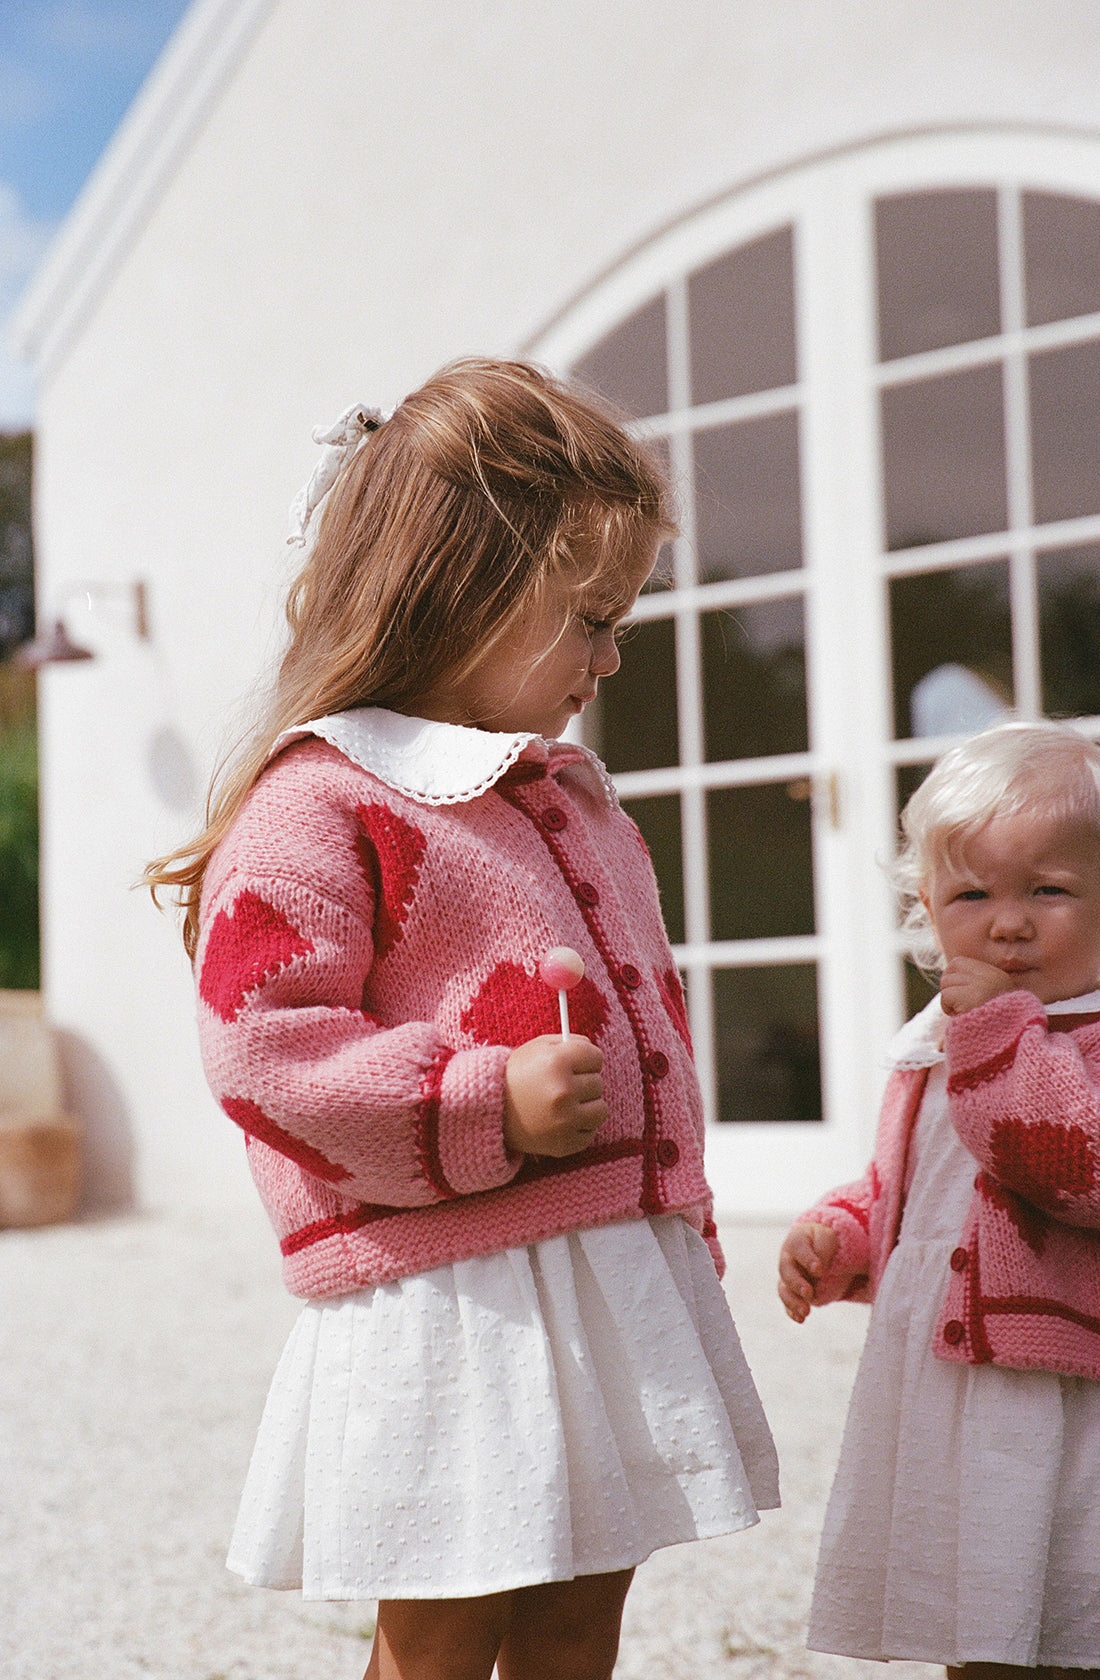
[963, 1523]
[558, 1409]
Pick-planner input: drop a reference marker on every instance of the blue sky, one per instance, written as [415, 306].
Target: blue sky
[68, 71]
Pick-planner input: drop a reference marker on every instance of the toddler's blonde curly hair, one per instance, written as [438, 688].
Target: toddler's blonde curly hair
[1014, 767]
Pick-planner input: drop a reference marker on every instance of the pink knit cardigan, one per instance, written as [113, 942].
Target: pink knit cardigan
[368, 960]
[1024, 1281]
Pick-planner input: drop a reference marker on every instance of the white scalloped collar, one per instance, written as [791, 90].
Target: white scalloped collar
[436, 763]
[919, 1044]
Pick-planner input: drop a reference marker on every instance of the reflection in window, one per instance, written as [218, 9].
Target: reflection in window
[754, 681]
[1062, 256]
[748, 498]
[659, 820]
[741, 312]
[1069, 630]
[630, 365]
[1065, 431]
[944, 457]
[952, 641]
[633, 725]
[761, 878]
[766, 1043]
[937, 266]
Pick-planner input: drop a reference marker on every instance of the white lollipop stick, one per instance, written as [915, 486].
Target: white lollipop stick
[560, 969]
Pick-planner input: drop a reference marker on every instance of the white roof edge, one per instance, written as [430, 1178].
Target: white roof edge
[184, 84]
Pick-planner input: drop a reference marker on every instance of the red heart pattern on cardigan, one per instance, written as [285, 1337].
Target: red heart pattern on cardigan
[245, 949]
[391, 852]
[513, 1006]
[1030, 1156]
[256, 1124]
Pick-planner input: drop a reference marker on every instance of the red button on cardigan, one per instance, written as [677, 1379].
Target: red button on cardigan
[668, 1152]
[587, 894]
[953, 1332]
[959, 1259]
[554, 818]
[630, 977]
[657, 1064]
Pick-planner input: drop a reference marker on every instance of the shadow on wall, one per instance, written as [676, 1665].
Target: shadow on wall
[107, 1142]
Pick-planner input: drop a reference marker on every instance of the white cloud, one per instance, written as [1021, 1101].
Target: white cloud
[22, 243]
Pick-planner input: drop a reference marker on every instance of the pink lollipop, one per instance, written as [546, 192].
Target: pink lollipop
[560, 969]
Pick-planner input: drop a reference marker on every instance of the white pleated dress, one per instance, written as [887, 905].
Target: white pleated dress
[558, 1409]
[964, 1521]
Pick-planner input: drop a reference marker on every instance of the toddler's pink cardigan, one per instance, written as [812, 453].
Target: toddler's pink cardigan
[1024, 1281]
[367, 961]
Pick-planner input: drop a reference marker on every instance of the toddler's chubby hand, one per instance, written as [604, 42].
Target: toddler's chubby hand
[966, 982]
[803, 1260]
[553, 1096]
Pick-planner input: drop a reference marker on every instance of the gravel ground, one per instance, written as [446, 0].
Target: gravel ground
[134, 1359]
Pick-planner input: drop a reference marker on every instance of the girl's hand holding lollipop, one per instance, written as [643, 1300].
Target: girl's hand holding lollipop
[553, 1089]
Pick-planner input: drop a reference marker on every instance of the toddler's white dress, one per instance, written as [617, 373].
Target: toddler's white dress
[964, 1521]
[558, 1409]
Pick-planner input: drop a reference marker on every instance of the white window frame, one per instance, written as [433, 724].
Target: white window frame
[775, 1168]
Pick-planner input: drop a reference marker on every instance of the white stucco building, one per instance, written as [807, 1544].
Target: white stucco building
[843, 257]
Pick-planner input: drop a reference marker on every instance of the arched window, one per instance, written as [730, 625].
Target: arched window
[877, 381]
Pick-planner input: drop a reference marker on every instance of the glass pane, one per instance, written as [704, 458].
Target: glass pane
[662, 575]
[909, 779]
[1061, 256]
[741, 315]
[761, 865]
[952, 638]
[937, 270]
[748, 508]
[944, 458]
[630, 365]
[919, 990]
[659, 820]
[1065, 431]
[754, 681]
[1069, 630]
[634, 722]
[766, 1043]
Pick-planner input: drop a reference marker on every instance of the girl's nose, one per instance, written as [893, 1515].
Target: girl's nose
[603, 658]
[1011, 920]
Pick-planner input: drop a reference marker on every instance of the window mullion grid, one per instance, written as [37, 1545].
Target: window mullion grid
[689, 697]
[1023, 594]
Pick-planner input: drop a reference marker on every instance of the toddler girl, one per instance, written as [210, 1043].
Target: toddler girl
[516, 1375]
[964, 1522]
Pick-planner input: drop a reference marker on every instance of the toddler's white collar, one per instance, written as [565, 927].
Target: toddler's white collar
[919, 1044]
[434, 763]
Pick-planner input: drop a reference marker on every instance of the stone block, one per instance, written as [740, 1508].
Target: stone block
[40, 1155]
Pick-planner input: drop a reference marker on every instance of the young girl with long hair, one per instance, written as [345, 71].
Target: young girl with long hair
[516, 1374]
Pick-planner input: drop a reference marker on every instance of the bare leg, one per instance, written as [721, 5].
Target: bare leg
[438, 1638]
[565, 1630]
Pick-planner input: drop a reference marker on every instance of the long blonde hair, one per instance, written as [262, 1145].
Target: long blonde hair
[445, 526]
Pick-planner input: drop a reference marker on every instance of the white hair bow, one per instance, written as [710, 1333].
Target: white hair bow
[340, 441]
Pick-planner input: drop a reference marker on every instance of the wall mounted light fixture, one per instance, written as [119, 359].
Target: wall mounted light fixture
[54, 646]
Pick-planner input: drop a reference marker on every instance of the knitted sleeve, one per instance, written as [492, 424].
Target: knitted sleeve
[394, 1115]
[1026, 1102]
[847, 1211]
